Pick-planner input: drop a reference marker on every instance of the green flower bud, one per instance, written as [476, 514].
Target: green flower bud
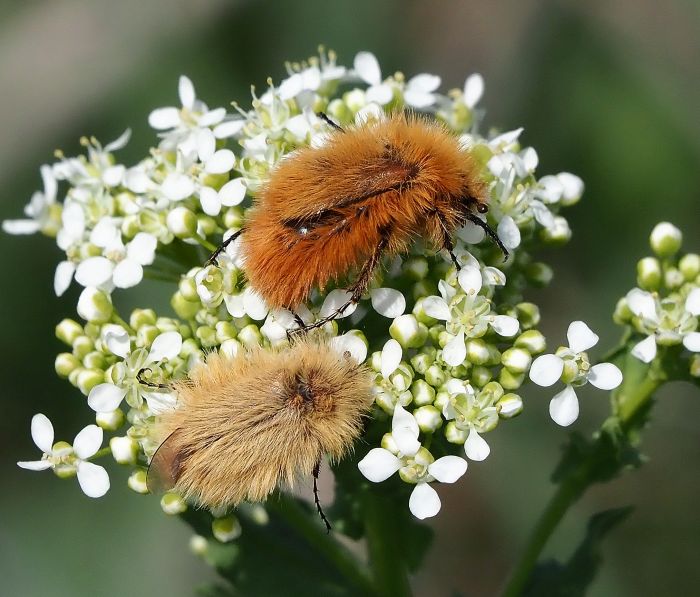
[516, 360]
[454, 434]
[95, 360]
[695, 365]
[198, 545]
[649, 273]
[95, 306]
[423, 288]
[206, 336]
[539, 274]
[442, 399]
[421, 315]
[89, 378]
[250, 336]
[172, 504]
[423, 359]
[665, 239]
[509, 380]
[477, 351]
[73, 376]
[413, 473]
[68, 330]
[146, 334]
[557, 234]
[509, 406]
[258, 514]
[188, 288]
[416, 268]
[435, 376]
[406, 330]
[423, 393]
[532, 340]
[492, 392]
[435, 331]
[388, 443]
[230, 347]
[528, 314]
[622, 313]
[65, 363]
[673, 278]
[402, 377]
[690, 266]
[385, 401]
[571, 372]
[183, 308]
[168, 324]
[226, 529]
[375, 361]
[354, 100]
[130, 226]
[82, 346]
[110, 421]
[233, 218]
[124, 449]
[225, 330]
[137, 481]
[140, 317]
[480, 376]
[206, 224]
[428, 417]
[182, 222]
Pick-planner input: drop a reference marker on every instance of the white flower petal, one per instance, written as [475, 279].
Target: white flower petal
[563, 408]
[35, 465]
[186, 92]
[645, 350]
[106, 397]
[418, 99]
[692, 341]
[367, 68]
[42, 432]
[641, 303]
[127, 274]
[402, 419]
[388, 302]
[116, 339]
[291, 86]
[206, 144]
[580, 336]
[228, 128]
[113, 175]
[21, 226]
[509, 233]
[160, 402]
[470, 279]
[455, 350]
[405, 441]
[164, 118]
[233, 192]
[476, 447]
[142, 248]
[212, 117]
[436, 307]
[209, 198]
[546, 370]
[166, 346]
[692, 303]
[94, 271]
[473, 89]
[336, 299]
[424, 501]
[542, 214]
[119, 143]
[380, 94]
[93, 479]
[254, 304]
[234, 304]
[424, 82]
[448, 468]
[605, 376]
[492, 276]
[572, 185]
[391, 357]
[63, 276]
[351, 343]
[379, 465]
[470, 233]
[88, 441]
[505, 325]
[222, 161]
[105, 233]
[177, 187]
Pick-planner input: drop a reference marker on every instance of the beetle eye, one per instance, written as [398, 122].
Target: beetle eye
[482, 208]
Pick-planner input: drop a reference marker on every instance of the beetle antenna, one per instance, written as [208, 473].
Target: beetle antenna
[316, 471]
[488, 230]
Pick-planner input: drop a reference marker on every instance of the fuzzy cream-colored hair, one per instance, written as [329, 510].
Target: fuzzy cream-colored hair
[246, 424]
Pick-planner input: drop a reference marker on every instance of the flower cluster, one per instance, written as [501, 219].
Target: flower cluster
[450, 347]
[664, 309]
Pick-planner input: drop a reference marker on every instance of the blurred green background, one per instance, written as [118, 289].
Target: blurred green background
[607, 90]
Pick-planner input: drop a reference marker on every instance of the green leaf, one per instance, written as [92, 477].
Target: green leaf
[571, 579]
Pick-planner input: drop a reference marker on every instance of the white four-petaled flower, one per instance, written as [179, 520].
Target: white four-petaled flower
[572, 366]
[415, 462]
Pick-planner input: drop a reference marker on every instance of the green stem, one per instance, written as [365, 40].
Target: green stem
[630, 401]
[337, 554]
[101, 453]
[389, 571]
[204, 242]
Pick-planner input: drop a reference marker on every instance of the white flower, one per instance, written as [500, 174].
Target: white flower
[367, 68]
[38, 210]
[181, 125]
[414, 462]
[572, 366]
[106, 397]
[419, 90]
[473, 90]
[666, 322]
[66, 460]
